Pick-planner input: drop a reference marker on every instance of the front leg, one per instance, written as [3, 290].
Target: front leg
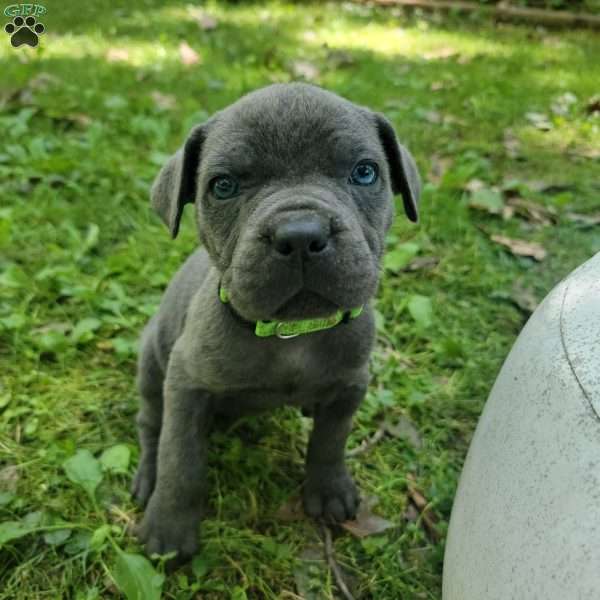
[173, 514]
[329, 491]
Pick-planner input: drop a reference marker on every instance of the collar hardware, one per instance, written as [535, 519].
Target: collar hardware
[286, 330]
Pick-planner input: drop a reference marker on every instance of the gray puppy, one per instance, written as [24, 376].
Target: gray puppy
[293, 190]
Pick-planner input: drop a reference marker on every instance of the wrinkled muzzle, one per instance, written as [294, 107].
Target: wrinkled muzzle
[299, 259]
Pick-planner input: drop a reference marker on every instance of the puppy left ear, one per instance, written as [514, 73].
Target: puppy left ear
[403, 170]
[175, 185]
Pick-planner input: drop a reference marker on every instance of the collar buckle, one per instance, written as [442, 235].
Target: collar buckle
[284, 336]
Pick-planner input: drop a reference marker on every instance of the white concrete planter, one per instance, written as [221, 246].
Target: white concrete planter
[526, 518]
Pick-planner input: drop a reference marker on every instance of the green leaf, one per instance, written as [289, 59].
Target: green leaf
[12, 530]
[99, 537]
[6, 498]
[489, 200]
[421, 310]
[84, 330]
[136, 578]
[116, 459]
[397, 259]
[84, 470]
[55, 538]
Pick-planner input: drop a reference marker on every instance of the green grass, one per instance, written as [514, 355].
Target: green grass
[83, 263]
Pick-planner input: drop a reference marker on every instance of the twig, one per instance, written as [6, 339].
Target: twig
[333, 565]
[505, 11]
[366, 444]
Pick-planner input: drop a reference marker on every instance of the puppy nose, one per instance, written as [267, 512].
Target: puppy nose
[308, 236]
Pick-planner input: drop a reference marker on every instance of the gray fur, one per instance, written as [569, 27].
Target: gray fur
[293, 147]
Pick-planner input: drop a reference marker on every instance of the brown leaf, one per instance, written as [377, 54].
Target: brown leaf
[589, 220]
[9, 476]
[539, 121]
[188, 55]
[163, 101]
[311, 566]
[117, 54]
[366, 523]
[532, 211]
[474, 185]
[422, 262]
[207, 22]
[521, 247]
[428, 518]
[305, 70]
[524, 298]
[80, 119]
[440, 53]
[512, 145]
[592, 106]
[404, 429]
[439, 165]
[340, 59]
[432, 116]
[291, 510]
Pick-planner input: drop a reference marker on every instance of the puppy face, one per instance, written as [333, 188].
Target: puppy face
[293, 188]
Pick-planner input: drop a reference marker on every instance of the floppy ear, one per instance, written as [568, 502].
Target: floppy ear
[403, 170]
[175, 185]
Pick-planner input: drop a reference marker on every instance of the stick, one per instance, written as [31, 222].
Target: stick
[556, 18]
[366, 444]
[333, 565]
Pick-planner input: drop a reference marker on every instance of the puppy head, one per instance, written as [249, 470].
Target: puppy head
[293, 188]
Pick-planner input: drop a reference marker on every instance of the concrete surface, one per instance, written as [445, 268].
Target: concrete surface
[526, 518]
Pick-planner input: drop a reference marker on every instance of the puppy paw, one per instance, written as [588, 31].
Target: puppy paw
[144, 482]
[331, 495]
[163, 533]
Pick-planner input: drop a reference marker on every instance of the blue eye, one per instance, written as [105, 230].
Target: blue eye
[224, 187]
[364, 173]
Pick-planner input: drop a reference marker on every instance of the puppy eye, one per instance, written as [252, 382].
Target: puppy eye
[364, 173]
[224, 187]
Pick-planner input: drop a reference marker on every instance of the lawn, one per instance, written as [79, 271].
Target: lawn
[502, 124]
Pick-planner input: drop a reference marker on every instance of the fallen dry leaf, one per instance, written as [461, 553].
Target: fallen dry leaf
[9, 476]
[521, 247]
[589, 220]
[305, 70]
[311, 565]
[474, 185]
[163, 101]
[562, 104]
[439, 165]
[291, 510]
[404, 429]
[207, 22]
[80, 119]
[532, 211]
[188, 55]
[440, 53]
[592, 106]
[512, 145]
[428, 518]
[539, 121]
[524, 298]
[117, 55]
[422, 262]
[366, 522]
[340, 59]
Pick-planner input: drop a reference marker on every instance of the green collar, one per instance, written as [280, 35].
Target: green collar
[290, 329]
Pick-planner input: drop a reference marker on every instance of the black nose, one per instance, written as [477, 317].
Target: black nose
[308, 236]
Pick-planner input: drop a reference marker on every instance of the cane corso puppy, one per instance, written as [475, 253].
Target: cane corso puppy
[293, 190]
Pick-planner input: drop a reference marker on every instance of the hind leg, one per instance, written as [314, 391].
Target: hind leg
[149, 418]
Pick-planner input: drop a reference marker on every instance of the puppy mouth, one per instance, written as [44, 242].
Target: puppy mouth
[305, 304]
